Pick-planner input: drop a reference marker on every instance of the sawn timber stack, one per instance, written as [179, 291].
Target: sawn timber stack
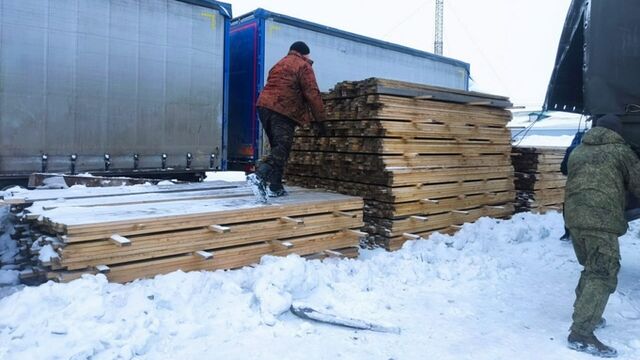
[539, 182]
[135, 232]
[424, 158]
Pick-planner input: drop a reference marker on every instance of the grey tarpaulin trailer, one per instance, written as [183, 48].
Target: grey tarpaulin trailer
[113, 86]
[261, 38]
[597, 68]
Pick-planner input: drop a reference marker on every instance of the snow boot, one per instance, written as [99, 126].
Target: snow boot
[566, 236]
[258, 186]
[258, 181]
[277, 190]
[591, 345]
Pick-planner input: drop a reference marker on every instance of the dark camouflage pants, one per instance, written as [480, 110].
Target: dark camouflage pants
[280, 130]
[599, 253]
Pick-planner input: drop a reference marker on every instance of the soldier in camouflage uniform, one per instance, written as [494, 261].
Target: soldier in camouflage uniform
[291, 97]
[601, 170]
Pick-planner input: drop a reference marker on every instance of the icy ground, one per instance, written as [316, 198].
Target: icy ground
[545, 140]
[496, 290]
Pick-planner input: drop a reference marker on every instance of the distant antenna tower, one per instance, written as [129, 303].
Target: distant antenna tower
[437, 46]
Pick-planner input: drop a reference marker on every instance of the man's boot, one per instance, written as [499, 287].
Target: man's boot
[258, 181]
[277, 190]
[591, 345]
[275, 186]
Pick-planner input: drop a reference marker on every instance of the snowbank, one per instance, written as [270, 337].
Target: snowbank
[226, 176]
[496, 290]
[8, 250]
[542, 140]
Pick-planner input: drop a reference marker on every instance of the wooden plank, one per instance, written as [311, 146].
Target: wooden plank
[418, 111]
[39, 179]
[344, 214]
[139, 199]
[224, 259]
[391, 146]
[443, 175]
[407, 129]
[395, 87]
[82, 193]
[399, 176]
[219, 229]
[81, 255]
[204, 255]
[281, 244]
[376, 161]
[119, 240]
[290, 220]
[399, 227]
[103, 269]
[140, 220]
[408, 193]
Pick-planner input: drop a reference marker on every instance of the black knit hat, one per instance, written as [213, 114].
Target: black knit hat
[300, 47]
[611, 122]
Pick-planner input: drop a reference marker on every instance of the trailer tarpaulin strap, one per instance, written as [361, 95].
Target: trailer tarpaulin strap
[596, 69]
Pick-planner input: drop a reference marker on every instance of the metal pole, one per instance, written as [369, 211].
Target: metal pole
[438, 45]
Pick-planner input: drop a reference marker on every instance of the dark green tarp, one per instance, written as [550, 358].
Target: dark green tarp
[597, 69]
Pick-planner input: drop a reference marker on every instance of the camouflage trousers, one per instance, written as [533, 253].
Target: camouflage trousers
[280, 130]
[599, 253]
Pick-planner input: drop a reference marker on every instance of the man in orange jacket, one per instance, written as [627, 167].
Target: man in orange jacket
[291, 97]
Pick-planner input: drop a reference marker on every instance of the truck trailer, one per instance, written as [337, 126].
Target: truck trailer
[596, 70]
[261, 38]
[131, 87]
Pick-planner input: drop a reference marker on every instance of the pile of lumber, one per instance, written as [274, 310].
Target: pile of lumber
[539, 182]
[424, 159]
[141, 231]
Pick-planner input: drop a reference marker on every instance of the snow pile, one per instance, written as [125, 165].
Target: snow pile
[498, 289]
[46, 254]
[54, 182]
[230, 176]
[8, 250]
[544, 140]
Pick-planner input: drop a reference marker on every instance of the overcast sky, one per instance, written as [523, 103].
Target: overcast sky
[510, 44]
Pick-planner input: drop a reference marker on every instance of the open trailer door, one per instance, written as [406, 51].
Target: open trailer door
[597, 65]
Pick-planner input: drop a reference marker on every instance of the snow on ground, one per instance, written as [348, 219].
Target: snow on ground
[225, 176]
[8, 250]
[544, 140]
[498, 289]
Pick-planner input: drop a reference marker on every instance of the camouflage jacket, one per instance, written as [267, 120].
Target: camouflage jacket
[601, 170]
[292, 91]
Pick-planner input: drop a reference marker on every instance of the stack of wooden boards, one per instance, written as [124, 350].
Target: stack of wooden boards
[539, 182]
[424, 159]
[141, 231]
